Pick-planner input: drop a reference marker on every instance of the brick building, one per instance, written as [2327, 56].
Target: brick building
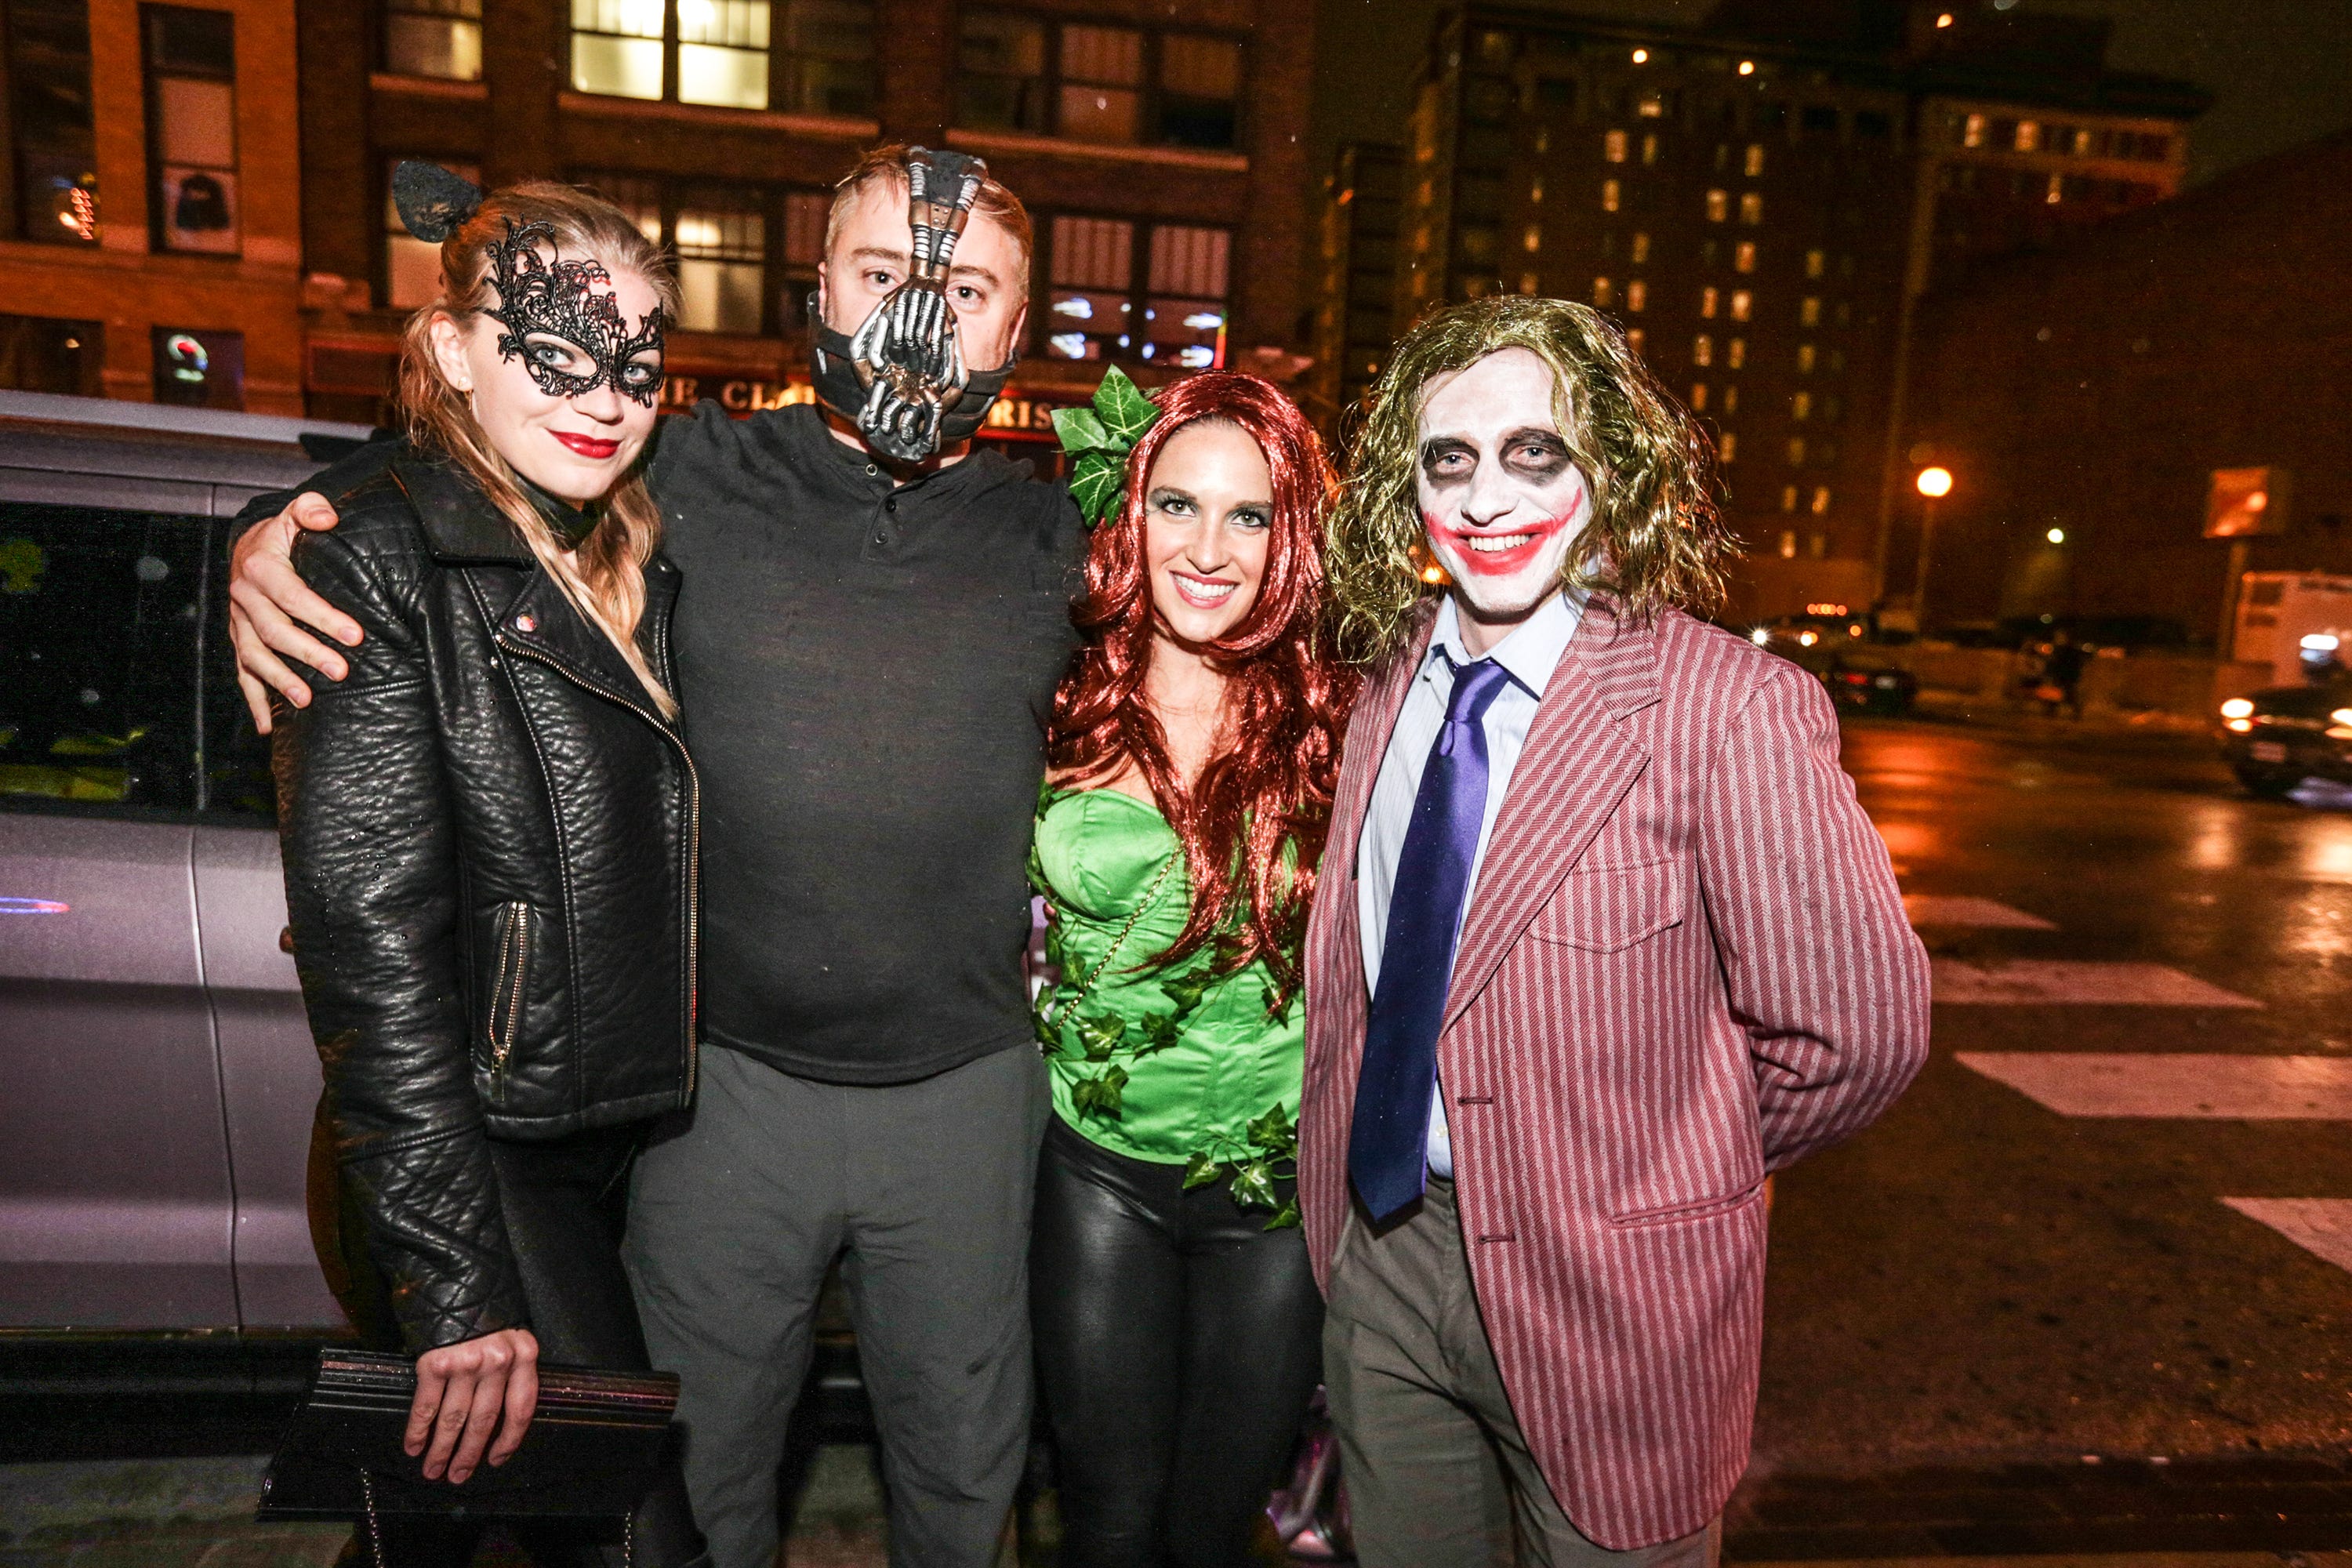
[1757, 201]
[150, 208]
[1155, 143]
[2093, 390]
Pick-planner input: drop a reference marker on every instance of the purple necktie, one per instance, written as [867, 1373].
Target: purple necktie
[1387, 1149]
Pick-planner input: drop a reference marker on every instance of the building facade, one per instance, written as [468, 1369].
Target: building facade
[1155, 144]
[1355, 280]
[2085, 398]
[1756, 202]
[151, 207]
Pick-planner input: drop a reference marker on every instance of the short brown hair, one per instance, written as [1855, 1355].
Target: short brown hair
[889, 162]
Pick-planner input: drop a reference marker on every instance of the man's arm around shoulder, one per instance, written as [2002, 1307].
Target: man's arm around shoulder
[1820, 964]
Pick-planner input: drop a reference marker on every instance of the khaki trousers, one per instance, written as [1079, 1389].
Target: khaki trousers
[1438, 1474]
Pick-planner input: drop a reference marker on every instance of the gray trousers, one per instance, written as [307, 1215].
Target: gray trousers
[924, 1191]
[1439, 1475]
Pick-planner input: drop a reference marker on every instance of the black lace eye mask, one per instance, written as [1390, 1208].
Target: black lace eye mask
[549, 307]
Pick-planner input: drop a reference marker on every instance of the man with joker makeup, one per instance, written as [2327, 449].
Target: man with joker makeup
[871, 620]
[1614, 942]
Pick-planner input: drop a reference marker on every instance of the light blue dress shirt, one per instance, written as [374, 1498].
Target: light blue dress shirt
[1528, 656]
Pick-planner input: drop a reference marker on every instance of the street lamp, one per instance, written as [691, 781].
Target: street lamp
[1934, 485]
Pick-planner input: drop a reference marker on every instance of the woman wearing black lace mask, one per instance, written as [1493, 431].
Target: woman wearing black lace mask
[489, 840]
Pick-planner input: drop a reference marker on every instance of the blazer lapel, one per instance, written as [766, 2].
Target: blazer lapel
[1578, 762]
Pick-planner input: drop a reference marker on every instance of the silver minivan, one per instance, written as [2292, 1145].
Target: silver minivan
[157, 1077]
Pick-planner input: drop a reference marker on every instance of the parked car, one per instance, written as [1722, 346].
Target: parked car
[160, 1076]
[2276, 738]
[1837, 651]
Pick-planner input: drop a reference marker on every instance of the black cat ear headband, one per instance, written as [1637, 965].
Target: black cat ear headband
[539, 299]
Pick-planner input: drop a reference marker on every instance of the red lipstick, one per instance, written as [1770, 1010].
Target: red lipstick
[1501, 563]
[590, 446]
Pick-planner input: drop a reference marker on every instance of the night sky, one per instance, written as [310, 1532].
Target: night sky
[2280, 70]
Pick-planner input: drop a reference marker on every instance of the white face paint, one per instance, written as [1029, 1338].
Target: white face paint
[1501, 499]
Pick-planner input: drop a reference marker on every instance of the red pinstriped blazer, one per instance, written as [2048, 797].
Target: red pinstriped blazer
[1684, 964]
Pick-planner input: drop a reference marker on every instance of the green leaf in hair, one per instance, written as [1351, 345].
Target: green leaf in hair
[1099, 440]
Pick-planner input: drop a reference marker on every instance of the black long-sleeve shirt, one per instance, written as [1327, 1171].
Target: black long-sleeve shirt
[865, 671]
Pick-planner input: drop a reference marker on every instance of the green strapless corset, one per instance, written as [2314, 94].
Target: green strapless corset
[1157, 1062]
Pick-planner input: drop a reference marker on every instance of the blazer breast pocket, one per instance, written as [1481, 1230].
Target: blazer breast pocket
[1609, 909]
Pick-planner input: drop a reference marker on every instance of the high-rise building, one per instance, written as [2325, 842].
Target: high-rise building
[1156, 145]
[1757, 201]
[148, 202]
[1355, 278]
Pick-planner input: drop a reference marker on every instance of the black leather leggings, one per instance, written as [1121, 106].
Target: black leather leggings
[563, 1202]
[1178, 1344]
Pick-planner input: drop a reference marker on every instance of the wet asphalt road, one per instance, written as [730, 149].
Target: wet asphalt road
[1980, 1279]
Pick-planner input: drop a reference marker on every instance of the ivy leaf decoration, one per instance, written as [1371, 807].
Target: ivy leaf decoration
[1103, 1096]
[1274, 1134]
[1160, 1034]
[1254, 1185]
[1049, 1037]
[1099, 1035]
[1186, 990]
[1200, 1170]
[1286, 1218]
[1100, 439]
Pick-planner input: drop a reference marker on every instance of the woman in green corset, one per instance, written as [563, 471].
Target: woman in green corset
[1194, 746]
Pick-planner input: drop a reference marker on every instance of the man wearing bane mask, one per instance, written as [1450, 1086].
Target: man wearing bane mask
[871, 621]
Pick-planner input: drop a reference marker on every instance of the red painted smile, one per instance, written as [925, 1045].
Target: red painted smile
[1500, 552]
[588, 445]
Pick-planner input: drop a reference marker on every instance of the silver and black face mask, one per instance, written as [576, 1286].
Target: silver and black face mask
[901, 376]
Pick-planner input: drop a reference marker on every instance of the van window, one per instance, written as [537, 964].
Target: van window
[100, 619]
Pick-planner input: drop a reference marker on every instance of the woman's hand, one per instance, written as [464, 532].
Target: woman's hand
[460, 1391]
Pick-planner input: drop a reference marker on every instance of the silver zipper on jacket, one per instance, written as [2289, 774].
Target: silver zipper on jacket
[508, 996]
[693, 822]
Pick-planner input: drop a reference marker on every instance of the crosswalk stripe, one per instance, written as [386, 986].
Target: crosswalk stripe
[2321, 1226]
[2187, 1085]
[1955, 910]
[2015, 982]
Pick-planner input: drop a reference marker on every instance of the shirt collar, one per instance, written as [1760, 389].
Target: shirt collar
[1528, 654]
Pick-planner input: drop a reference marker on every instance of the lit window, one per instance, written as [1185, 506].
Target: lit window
[1751, 207]
[1201, 91]
[190, 58]
[723, 53]
[1972, 133]
[1698, 396]
[1535, 191]
[1727, 446]
[2057, 189]
[1816, 262]
[1649, 150]
[1789, 503]
[1702, 350]
[1817, 545]
[2029, 135]
[1801, 406]
[1608, 196]
[720, 238]
[1530, 284]
[1184, 313]
[1821, 501]
[1809, 314]
[1637, 295]
[616, 47]
[1612, 146]
[1091, 302]
[1635, 339]
[1796, 451]
[1735, 354]
[1804, 359]
[1091, 273]
[434, 37]
[55, 153]
[412, 268]
[1533, 238]
[1604, 292]
[1652, 107]
[1743, 256]
[1755, 159]
[1718, 205]
[1788, 544]
[1101, 96]
[1742, 304]
[1706, 303]
[1641, 251]
[1731, 400]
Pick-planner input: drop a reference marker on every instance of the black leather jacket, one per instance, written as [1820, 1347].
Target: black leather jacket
[490, 839]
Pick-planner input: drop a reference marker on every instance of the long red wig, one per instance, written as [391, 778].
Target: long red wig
[1253, 824]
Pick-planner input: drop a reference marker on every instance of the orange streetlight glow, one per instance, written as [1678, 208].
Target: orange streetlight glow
[1748, 68]
[1641, 57]
[1935, 482]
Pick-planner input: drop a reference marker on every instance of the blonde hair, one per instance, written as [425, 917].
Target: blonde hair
[604, 576]
[888, 164]
[1656, 537]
